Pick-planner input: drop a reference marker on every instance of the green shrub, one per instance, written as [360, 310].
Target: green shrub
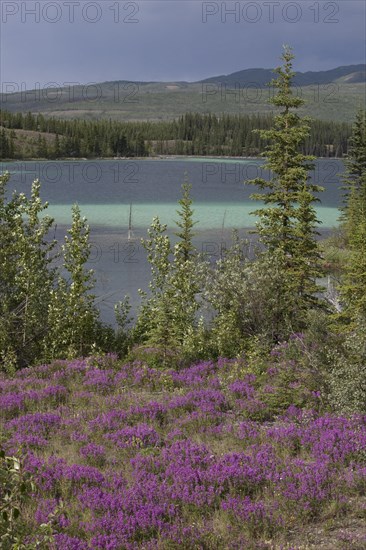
[16, 493]
[16, 488]
[347, 375]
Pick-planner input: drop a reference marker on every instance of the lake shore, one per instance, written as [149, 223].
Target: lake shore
[155, 157]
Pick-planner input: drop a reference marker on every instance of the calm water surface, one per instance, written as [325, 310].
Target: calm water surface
[104, 191]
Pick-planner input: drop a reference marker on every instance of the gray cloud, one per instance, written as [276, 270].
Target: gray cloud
[172, 39]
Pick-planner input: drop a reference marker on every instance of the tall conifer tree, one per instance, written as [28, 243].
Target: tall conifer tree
[287, 223]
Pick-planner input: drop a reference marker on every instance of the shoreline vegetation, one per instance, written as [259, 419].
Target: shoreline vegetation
[230, 413]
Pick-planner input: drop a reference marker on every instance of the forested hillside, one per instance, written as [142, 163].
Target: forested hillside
[37, 136]
[332, 95]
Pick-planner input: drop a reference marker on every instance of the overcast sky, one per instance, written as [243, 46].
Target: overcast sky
[81, 41]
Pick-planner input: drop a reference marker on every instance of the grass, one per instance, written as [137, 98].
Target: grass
[336, 101]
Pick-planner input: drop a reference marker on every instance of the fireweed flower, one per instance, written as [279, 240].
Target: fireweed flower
[143, 463]
[138, 436]
[92, 451]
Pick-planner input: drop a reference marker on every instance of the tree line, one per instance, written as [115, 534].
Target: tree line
[190, 134]
[193, 309]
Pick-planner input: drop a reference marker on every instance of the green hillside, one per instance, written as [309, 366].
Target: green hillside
[330, 95]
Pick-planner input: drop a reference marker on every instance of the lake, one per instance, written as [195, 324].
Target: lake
[105, 190]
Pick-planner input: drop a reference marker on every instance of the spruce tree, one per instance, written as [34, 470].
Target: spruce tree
[185, 222]
[4, 145]
[354, 221]
[287, 223]
[167, 318]
[186, 277]
[354, 178]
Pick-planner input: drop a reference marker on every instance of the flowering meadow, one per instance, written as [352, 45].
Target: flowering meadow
[207, 457]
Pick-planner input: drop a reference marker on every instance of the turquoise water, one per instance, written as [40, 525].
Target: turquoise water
[105, 189]
[210, 215]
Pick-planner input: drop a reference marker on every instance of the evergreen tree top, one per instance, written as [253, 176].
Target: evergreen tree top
[185, 222]
[285, 97]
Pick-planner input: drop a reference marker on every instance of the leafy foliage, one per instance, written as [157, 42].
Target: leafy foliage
[73, 318]
[25, 273]
[43, 315]
[16, 489]
[347, 372]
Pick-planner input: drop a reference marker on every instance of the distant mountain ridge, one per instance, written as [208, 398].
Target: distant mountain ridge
[261, 77]
[335, 94]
